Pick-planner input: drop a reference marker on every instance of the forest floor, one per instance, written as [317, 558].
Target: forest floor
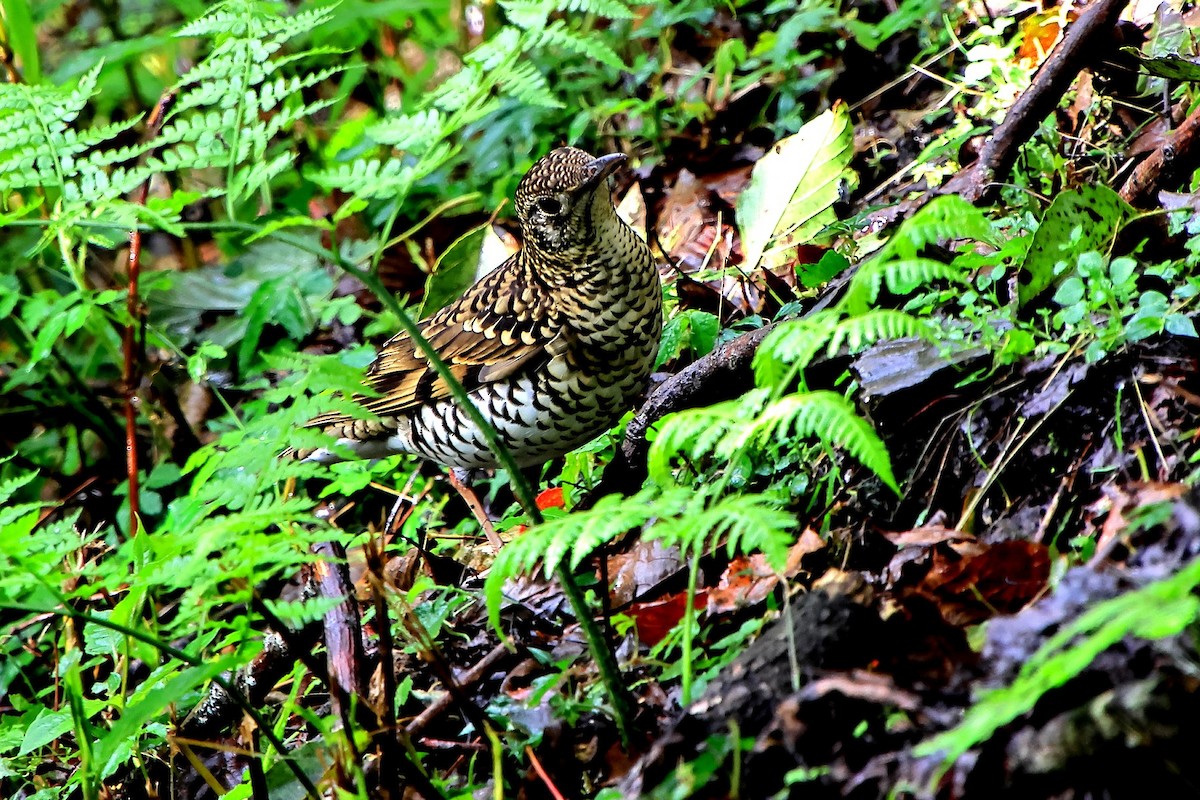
[1019, 618]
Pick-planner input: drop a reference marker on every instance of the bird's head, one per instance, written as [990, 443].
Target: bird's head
[563, 197]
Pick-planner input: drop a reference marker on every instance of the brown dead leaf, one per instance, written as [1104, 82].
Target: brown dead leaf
[1121, 500]
[647, 564]
[927, 535]
[728, 184]
[749, 580]
[683, 226]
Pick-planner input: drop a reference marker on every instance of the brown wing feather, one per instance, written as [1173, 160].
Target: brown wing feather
[480, 344]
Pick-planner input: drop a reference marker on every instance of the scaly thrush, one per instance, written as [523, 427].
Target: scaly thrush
[553, 346]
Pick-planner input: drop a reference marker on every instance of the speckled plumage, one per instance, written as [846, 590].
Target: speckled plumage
[553, 346]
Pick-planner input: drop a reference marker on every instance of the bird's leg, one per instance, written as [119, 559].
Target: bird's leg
[457, 479]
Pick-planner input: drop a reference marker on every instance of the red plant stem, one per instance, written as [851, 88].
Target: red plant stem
[131, 374]
[130, 341]
[541, 771]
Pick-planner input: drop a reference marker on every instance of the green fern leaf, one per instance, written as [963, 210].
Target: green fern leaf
[525, 83]
[10, 487]
[1158, 610]
[824, 415]
[372, 179]
[747, 523]
[793, 345]
[943, 219]
[613, 9]
[528, 13]
[697, 432]
[556, 34]
[877, 325]
[901, 277]
[409, 131]
[579, 534]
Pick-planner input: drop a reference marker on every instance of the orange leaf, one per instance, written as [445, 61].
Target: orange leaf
[655, 620]
[550, 498]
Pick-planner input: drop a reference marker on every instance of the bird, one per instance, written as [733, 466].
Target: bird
[553, 346]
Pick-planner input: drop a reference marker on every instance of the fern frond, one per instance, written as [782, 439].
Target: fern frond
[793, 345]
[729, 429]
[556, 34]
[877, 325]
[459, 90]
[533, 14]
[204, 155]
[613, 9]
[272, 93]
[247, 181]
[697, 432]
[1164, 608]
[287, 117]
[224, 18]
[39, 148]
[10, 487]
[901, 277]
[525, 83]
[409, 130]
[241, 19]
[943, 219]
[528, 13]
[681, 516]
[372, 179]
[93, 185]
[827, 416]
[579, 533]
[498, 51]
[747, 523]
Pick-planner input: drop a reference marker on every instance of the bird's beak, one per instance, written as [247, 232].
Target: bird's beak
[601, 168]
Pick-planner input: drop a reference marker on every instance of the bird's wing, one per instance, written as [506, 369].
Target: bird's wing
[479, 343]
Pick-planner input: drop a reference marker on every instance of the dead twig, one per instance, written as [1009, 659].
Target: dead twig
[472, 676]
[978, 181]
[1176, 158]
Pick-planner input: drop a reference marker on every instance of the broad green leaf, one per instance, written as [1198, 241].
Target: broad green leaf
[51, 725]
[1176, 67]
[21, 36]
[793, 187]
[1077, 221]
[831, 265]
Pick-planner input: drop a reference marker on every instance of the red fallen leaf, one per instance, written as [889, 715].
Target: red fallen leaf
[653, 621]
[550, 498]
[746, 581]
[1001, 579]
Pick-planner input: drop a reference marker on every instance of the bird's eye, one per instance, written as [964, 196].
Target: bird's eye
[550, 205]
